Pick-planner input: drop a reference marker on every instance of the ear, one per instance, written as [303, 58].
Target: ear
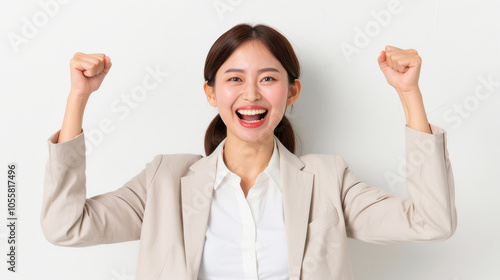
[294, 92]
[210, 93]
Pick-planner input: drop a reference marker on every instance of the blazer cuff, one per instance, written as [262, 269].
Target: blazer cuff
[70, 153]
[429, 144]
[434, 129]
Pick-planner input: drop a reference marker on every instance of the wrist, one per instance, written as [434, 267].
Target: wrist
[413, 101]
[75, 96]
[409, 91]
[76, 104]
[79, 93]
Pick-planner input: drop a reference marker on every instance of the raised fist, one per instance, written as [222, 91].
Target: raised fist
[87, 72]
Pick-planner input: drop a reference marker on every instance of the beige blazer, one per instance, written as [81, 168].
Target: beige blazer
[167, 207]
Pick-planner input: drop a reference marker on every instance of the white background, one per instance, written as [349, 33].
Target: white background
[346, 107]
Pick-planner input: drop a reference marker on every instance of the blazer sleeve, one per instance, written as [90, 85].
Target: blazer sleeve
[427, 214]
[68, 218]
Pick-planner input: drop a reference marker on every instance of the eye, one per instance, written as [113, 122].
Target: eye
[232, 79]
[269, 78]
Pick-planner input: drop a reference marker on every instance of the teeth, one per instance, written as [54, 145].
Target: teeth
[252, 112]
[253, 121]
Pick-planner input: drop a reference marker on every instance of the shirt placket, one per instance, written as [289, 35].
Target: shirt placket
[248, 232]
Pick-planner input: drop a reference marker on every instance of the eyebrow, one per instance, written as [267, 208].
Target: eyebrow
[269, 69]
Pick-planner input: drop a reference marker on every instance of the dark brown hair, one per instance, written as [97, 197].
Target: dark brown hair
[223, 47]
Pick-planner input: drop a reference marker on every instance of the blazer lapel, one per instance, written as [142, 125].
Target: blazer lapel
[196, 195]
[197, 191]
[297, 191]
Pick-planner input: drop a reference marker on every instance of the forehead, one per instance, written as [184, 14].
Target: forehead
[251, 54]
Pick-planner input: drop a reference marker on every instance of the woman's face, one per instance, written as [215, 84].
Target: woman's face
[252, 77]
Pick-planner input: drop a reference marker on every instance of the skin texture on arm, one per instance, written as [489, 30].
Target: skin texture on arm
[73, 118]
[401, 69]
[87, 73]
[416, 116]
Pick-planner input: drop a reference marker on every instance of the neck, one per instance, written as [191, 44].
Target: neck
[247, 159]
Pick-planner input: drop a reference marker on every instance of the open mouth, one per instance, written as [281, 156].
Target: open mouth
[251, 116]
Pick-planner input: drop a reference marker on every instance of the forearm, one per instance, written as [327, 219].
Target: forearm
[73, 117]
[413, 105]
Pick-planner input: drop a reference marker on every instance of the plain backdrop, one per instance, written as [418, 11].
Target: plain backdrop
[346, 107]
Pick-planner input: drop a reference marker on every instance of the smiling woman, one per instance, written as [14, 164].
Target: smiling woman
[250, 208]
[260, 64]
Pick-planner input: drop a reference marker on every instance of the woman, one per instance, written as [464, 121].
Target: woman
[249, 209]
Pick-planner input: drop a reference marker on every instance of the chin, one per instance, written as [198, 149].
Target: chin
[254, 136]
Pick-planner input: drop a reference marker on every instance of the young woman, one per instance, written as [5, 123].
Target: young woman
[250, 208]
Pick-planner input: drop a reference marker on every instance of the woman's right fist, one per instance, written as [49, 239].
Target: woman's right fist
[87, 72]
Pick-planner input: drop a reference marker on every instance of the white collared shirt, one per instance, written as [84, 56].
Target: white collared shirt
[246, 238]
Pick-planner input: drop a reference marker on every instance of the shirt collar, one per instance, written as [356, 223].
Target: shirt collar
[272, 170]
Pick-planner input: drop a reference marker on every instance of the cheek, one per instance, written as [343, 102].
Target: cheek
[226, 97]
[277, 95]
[227, 92]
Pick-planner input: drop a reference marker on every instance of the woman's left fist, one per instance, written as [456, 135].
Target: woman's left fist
[401, 68]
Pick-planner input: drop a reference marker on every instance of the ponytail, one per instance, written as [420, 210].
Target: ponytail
[222, 49]
[216, 132]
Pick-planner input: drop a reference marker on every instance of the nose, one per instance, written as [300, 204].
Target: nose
[251, 92]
